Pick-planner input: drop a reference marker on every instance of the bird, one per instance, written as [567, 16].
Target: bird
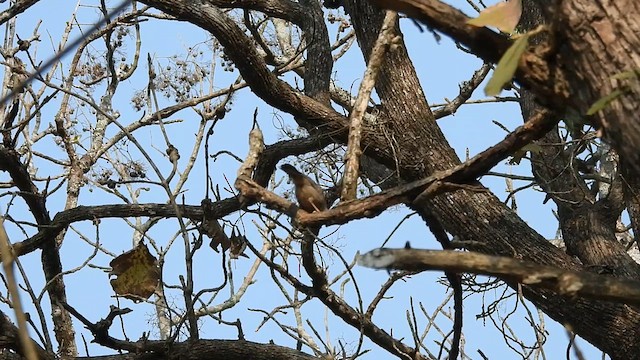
[308, 193]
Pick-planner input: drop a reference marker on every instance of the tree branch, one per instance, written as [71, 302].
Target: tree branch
[567, 283]
[534, 70]
[441, 181]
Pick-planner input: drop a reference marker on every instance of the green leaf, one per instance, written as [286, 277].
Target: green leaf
[534, 148]
[503, 15]
[507, 66]
[625, 75]
[519, 154]
[604, 101]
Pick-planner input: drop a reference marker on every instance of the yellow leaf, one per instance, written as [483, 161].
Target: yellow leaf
[507, 66]
[137, 274]
[503, 15]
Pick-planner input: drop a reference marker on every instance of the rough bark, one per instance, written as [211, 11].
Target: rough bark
[596, 41]
[599, 40]
[416, 149]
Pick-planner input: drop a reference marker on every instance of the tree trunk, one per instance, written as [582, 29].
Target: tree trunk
[598, 40]
[408, 140]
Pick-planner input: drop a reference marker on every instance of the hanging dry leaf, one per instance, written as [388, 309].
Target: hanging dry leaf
[212, 228]
[238, 244]
[173, 153]
[137, 274]
[504, 16]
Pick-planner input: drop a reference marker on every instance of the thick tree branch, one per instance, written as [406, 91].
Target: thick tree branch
[439, 182]
[19, 7]
[283, 9]
[571, 284]
[192, 349]
[415, 147]
[51, 264]
[11, 163]
[10, 339]
[599, 42]
[534, 70]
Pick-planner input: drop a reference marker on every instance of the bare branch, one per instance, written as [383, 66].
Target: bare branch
[354, 151]
[567, 283]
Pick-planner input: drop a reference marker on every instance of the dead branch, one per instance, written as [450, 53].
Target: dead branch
[568, 283]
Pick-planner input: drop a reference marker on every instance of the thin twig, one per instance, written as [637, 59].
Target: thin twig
[54, 59]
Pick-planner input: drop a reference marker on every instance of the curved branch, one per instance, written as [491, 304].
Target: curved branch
[282, 9]
[11, 163]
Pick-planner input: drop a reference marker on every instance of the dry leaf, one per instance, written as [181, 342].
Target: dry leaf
[212, 228]
[238, 244]
[137, 274]
[504, 16]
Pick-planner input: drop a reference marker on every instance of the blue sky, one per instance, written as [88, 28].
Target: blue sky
[441, 68]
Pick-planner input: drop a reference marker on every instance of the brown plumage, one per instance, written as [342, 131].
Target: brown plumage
[309, 194]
